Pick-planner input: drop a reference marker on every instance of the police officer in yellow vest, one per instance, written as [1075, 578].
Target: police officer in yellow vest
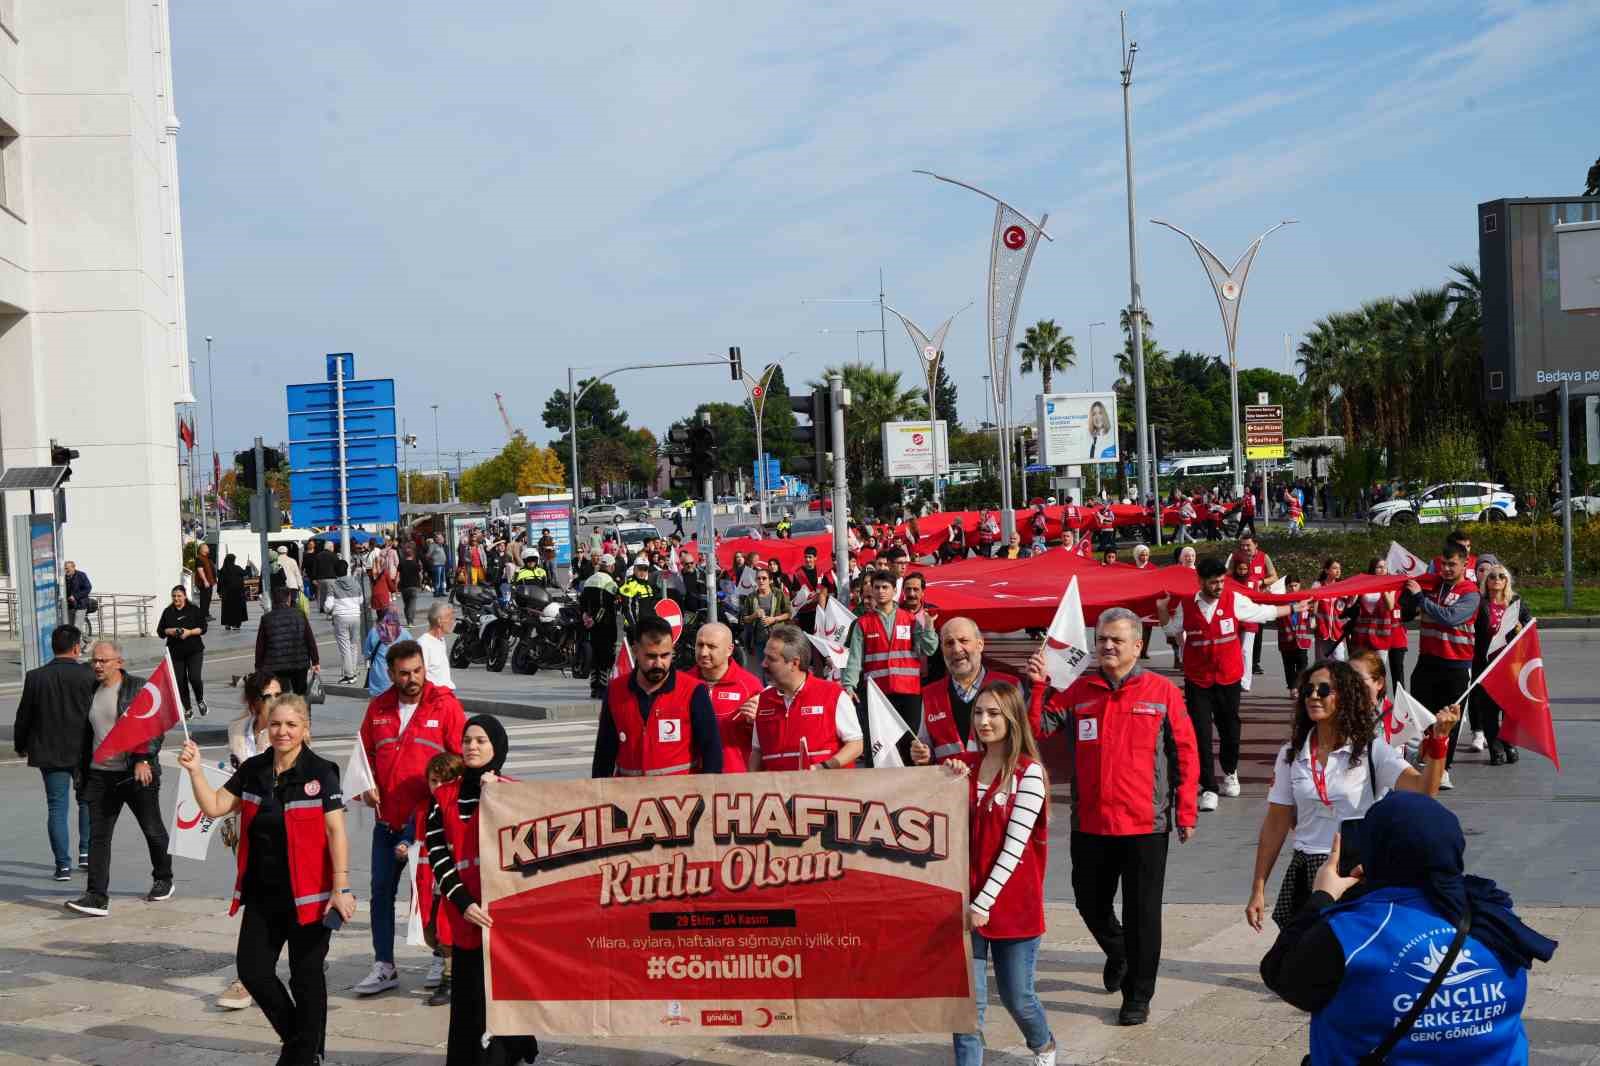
[637, 594]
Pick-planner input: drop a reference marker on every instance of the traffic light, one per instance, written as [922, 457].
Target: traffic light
[702, 451]
[814, 407]
[61, 455]
[246, 461]
[735, 364]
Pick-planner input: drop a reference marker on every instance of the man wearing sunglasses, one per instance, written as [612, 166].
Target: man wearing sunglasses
[1210, 624]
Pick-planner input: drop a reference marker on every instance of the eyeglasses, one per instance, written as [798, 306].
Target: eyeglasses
[1322, 690]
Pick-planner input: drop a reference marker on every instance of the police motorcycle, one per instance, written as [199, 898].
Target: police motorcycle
[543, 629]
[477, 616]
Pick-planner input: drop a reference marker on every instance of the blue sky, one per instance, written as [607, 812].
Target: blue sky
[472, 197]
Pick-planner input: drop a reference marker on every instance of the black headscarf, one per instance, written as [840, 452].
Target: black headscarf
[1414, 841]
[472, 777]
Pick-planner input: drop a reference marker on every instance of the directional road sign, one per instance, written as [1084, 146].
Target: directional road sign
[372, 480]
[358, 451]
[373, 494]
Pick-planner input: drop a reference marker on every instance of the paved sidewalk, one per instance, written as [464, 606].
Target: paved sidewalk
[136, 988]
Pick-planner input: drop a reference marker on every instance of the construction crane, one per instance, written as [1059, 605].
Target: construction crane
[499, 402]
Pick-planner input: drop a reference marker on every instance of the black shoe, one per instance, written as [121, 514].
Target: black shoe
[1496, 758]
[440, 997]
[1511, 754]
[1259, 671]
[1115, 973]
[93, 906]
[63, 873]
[202, 705]
[188, 713]
[160, 890]
[83, 860]
[1133, 1014]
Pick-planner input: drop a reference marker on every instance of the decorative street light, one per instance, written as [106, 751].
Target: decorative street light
[930, 351]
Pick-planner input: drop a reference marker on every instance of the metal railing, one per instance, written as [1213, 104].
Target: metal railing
[120, 614]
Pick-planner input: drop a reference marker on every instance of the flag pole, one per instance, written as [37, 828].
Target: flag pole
[1485, 671]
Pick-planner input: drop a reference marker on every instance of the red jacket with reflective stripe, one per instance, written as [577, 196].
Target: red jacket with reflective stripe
[1212, 654]
[1374, 625]
[400, 759]
[1296, 630]
[736, 686]
[1018, 911]
[453, 927]
[887, 655]
[939, 718]
[661, 746]
[1135, 765]
[1451, 643]
[804, 734]
[310, 865]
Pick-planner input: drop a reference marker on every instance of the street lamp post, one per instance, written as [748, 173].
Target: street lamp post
[1092, 325]
[438, 456]
[1228, 285]
[216, 489]
[930, 352]
[1135, 298]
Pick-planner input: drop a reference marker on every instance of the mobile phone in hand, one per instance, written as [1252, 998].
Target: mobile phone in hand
[1349, 846]
[333, 919]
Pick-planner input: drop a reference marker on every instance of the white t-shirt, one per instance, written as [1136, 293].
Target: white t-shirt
[1349, 789]
[436, 658]
[845, 722]
[406, 711]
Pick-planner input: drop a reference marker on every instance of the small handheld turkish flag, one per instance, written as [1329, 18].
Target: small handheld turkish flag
[624, 664]
[156, 709]
[1516, 682]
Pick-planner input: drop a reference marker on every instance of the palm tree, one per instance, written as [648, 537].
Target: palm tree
[876, 397]
[1315, 357]
[1045, 348]
[1592, 183]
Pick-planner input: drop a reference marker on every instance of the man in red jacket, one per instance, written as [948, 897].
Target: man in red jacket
[1135, 770]
[412, 721]
[733, 690]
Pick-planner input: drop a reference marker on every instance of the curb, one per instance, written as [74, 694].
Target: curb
[537, 712]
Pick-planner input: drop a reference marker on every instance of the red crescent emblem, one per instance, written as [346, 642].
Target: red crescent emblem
[765, 1017]
[1014, 237]
[182, 822]
[1054, 643]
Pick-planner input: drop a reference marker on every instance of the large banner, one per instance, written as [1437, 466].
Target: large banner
[908, 449]
[1077, 428]
[830, 902]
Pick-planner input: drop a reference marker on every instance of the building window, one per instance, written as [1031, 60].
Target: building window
[10, 170]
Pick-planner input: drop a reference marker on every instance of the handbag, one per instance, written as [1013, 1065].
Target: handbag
[91, 605]
[314, 693]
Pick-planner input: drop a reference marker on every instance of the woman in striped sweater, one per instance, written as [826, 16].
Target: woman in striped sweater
[1007, 794]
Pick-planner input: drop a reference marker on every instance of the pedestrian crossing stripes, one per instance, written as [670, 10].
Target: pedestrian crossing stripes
[548, 750]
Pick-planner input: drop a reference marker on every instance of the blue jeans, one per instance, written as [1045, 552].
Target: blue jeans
[438, 580]
[56, 784]
[1013, 972]
[386, 873]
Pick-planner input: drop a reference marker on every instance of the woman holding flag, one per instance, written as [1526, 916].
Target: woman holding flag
[293, 875]
[1501, 616]
[1007, 797]
[1332, 769]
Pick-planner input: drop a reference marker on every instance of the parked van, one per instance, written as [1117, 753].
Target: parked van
[246, 545]
[1200, 466]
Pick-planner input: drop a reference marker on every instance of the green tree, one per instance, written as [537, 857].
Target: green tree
[876, 397]
[1528, 462]
[1048, 350]
[600, 414]
[945, 392]
[1591, 184]
[498, 475]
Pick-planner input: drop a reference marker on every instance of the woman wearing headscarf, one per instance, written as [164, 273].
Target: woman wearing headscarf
[388, 631]
[452, 843]
[1411, 953]
[230, 585]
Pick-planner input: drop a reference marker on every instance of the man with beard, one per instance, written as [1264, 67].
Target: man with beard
[947, 703]
[655, 721]
[913, 589]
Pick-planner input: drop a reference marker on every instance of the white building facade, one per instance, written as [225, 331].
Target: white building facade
[93, 345]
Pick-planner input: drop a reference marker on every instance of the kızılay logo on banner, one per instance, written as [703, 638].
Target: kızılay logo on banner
[722, 1017]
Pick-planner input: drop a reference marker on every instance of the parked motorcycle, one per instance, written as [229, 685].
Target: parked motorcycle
[475, 617]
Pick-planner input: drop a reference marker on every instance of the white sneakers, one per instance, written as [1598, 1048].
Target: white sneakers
[1445, 782]
[1047, 1057]
[435, 973]
[235, 998]
[1479, 741]
[1230, 785]
[1208, 801]
[382, 978]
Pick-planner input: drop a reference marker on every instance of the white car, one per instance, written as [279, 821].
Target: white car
[1584, 505]
[632, 536]
[601, 513]
[1459, 501]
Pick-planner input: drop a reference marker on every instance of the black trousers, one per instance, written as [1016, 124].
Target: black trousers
[909, 704]
[1437, 683]
[292, 680]
[1214, 706]
[203, 595]
[107, 792]
[1139, 865]
[468, 1019]
[1397, 667]
[1255, 656]
[299, 1013]
[1294, 664]
[187, 670]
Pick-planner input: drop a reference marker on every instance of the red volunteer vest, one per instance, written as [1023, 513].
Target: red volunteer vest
[803, 734]
[1018, 911]
[1451, 643]
[661, 746]
[462, 837]
[887, 656]
[938, 715]
[1295, 509]
[1071, 516]
[736, 686]
[1373, 624]
[1211, 651]
[1105, 517]
[310, 865]
[1330, 623]
[1295, 630]
[400, 759]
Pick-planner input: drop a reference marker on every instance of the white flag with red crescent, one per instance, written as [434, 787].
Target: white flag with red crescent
[189, 836]
[1066, 642]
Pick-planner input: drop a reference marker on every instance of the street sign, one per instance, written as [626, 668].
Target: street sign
[349, 361]
[1036, 468]
[371, 487]
[373, 496]
[358, 451]
[1263, 431]
[321, 395]
[324, 425]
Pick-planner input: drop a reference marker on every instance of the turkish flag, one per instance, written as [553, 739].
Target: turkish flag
[1516, 682]
[624, 664]
[186, 433]
[156, 709]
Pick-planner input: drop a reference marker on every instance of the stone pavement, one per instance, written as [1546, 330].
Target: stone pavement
[137, 987]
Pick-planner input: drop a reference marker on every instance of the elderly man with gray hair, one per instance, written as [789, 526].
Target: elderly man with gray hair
[946, 729]
[1135, 772]
[803, 722]
[435, 655]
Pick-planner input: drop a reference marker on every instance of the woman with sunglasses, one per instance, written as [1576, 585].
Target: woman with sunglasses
[1333, 768]
[1502, 614]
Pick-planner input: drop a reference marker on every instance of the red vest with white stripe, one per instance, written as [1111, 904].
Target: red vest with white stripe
[661, 746]
[310, 865]
[1105, 517]
[938, 715]
[803, 734]
[887, 655]
[1296, 510]
[1374, 624]
[736, 686]
[1071, 516]
[1451, 643]
[1018, 911]
[1295, 630]
[1211, 651]
[1330, 620]
[452, 925]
